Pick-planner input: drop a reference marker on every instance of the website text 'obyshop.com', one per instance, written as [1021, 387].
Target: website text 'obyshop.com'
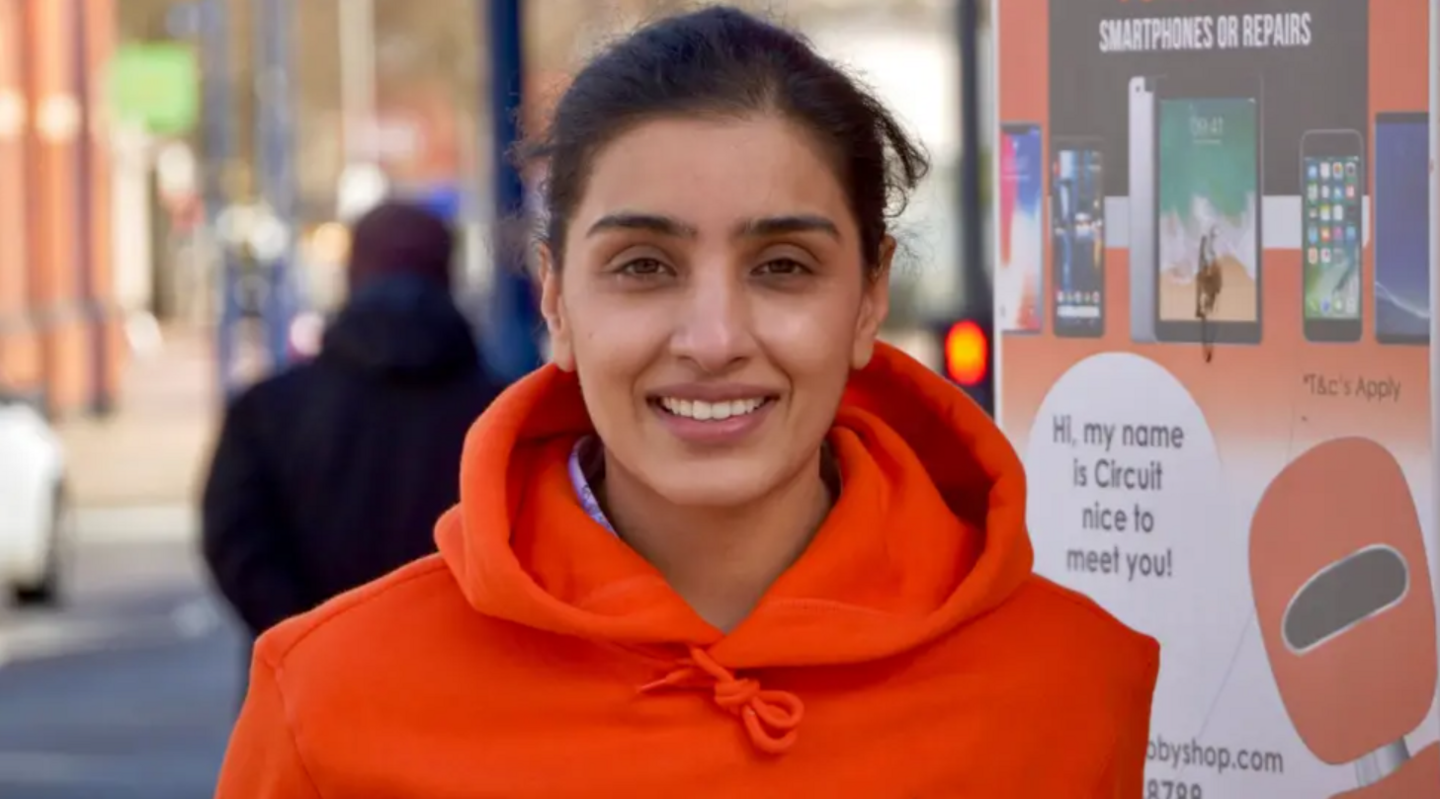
[1220, 759]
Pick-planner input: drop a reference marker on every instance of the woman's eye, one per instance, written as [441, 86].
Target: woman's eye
[782, 267]
[644, 267]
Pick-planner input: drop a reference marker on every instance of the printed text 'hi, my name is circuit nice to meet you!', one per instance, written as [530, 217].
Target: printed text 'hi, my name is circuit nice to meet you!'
[1117, 487]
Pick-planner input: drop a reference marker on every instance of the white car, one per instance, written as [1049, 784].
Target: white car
[32, 504]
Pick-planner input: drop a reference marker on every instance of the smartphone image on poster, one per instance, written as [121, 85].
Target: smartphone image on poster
[1402, 228]
[1077, 237]
[1332, 174]
[1019, 282]
[1141, 94]
[1207, 193]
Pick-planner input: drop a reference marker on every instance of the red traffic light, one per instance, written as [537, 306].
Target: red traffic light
[967, 353]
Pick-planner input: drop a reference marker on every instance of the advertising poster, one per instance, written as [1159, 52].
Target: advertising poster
[1215, 267]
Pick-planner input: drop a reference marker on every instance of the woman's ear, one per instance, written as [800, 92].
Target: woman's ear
[874, 305]
[552, 307]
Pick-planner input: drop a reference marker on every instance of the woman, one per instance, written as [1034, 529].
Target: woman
[727, 544]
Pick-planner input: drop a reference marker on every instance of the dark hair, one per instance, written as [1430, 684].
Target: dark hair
[723, 61]
[400, 238]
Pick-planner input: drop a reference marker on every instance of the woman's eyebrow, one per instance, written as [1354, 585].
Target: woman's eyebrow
[654, 223]
[751, 228]
[793, 223]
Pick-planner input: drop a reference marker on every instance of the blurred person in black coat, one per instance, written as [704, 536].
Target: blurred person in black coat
[334, 472]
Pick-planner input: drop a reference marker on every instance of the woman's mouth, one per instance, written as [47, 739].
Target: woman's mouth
[712, 422]
[702, 411]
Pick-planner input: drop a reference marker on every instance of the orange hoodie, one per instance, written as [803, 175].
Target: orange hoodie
[908, 653]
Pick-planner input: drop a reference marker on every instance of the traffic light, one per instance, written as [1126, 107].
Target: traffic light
[967, 353]
[968, 356]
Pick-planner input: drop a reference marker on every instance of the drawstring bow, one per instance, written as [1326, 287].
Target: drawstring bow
[770, 717]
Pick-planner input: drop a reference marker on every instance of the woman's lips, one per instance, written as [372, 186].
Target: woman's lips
[712, 423]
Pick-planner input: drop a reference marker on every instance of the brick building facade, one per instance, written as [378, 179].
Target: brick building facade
[60, 333]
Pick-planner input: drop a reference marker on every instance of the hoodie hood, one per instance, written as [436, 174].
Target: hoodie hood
[402, 328]
[927, 534]
[908, 652]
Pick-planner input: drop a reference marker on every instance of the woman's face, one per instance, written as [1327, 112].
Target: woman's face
[713, 301]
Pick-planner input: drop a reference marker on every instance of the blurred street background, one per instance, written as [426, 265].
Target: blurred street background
[127, 686]
[177, 180]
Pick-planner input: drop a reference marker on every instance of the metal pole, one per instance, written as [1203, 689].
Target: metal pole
[357, 77]
[513, 319]
[977, 278]
[101, 402]
[220, 151]
[274, 143]
[975, 273]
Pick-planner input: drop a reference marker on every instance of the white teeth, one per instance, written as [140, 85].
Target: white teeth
[707, 411]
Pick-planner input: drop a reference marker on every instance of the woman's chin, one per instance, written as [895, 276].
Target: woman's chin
[732, 483]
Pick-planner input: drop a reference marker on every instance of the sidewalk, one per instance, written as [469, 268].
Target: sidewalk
[153, 451]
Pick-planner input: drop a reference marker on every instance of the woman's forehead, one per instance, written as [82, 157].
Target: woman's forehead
[713, 172]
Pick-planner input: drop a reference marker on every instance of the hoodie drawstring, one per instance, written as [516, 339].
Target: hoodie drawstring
[770, 717]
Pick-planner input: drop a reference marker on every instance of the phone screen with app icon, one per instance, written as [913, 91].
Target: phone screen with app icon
[1332, 173]
[1077, 248]
[1019, 283]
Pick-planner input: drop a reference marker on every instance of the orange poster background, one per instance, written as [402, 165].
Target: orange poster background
[1249, 393]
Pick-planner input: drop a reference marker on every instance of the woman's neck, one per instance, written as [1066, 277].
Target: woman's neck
[720, 561]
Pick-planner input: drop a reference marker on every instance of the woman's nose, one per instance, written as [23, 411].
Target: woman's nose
[713, 326]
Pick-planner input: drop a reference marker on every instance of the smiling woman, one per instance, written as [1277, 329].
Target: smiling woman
[711, 260]
[723, 510]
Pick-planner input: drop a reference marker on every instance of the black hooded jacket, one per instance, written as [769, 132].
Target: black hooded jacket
[333, 473]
